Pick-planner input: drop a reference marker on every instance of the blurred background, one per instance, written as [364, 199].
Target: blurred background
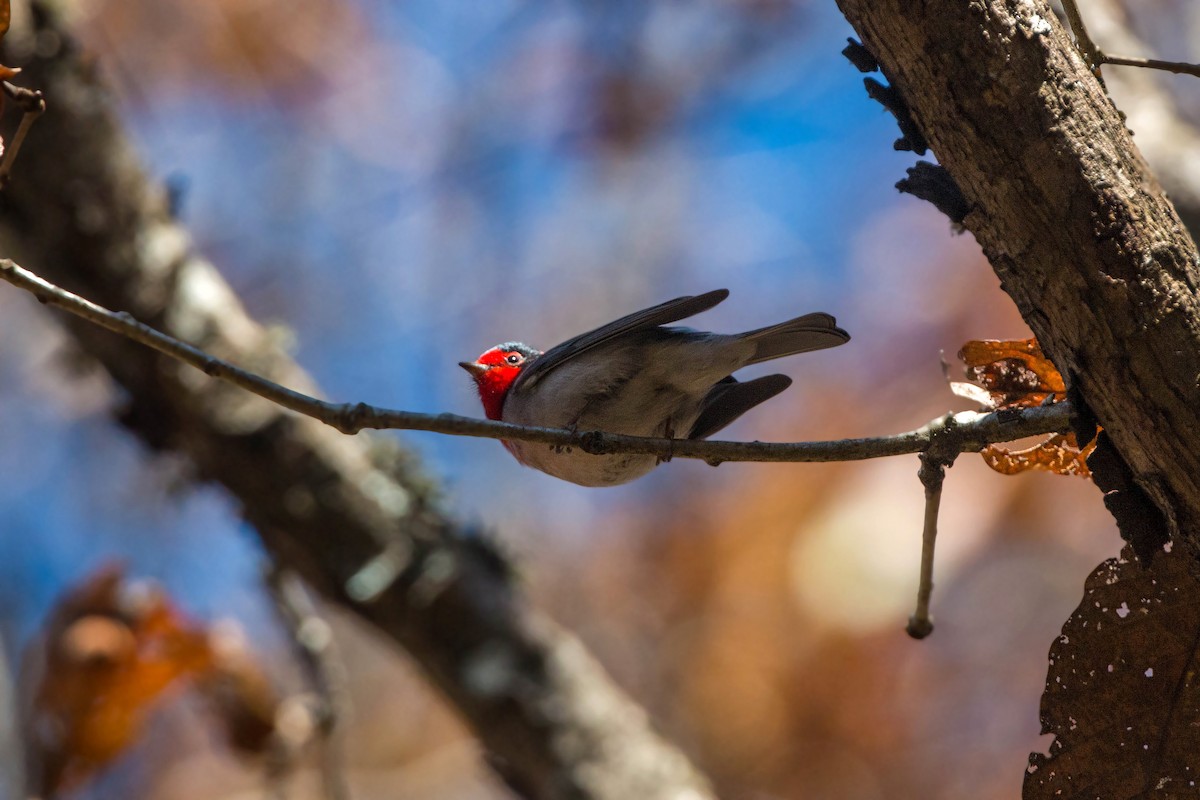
[398, 186]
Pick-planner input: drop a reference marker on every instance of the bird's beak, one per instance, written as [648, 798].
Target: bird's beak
[473, 367]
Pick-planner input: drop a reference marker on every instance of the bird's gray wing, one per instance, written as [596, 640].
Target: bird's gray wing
[661, 314]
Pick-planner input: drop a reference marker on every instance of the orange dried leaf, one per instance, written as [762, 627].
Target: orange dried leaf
[107, 662]
[1059, 454]
[1015, 373]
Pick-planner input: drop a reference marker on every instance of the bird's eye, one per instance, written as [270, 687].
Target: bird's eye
[514, 358]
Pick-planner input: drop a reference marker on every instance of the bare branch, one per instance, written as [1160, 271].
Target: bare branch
[932, 474]
[1095, 56]
[312, 639]
[966, 431]
[1178, 67]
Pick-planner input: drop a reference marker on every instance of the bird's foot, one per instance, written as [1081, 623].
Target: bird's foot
[565, 448]
[669, 434]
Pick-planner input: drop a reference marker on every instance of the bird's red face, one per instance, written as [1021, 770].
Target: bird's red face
[495, 371]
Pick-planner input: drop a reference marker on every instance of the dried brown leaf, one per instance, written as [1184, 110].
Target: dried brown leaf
[1059, 454]
[6, 73]
[1016, 374]
[110, 656]
[1122, 692]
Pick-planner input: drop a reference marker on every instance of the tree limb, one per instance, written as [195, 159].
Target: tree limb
[966, 431]
[84, 215]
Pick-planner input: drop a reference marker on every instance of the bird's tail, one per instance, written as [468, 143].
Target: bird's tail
[811, 332]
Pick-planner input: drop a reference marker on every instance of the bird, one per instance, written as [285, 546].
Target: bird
[636, 376]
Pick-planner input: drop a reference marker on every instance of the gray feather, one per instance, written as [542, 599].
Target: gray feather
[647, 318]
[730, 398]
[800, 335]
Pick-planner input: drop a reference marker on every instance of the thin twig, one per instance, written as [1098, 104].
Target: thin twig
[1095, 57]
[32, 103]
[1178, 67]
[968, 431]
[323, 671]
[932, 475]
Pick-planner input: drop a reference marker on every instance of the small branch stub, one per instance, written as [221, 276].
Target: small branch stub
[942, 451]
[32, 103]
[860, 56]
[932, 183]
[890, 98]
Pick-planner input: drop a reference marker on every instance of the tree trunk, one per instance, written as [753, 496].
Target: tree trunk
[1074, 223]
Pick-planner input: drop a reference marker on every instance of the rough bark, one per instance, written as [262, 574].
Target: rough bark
[81, 212]
[1074, 223]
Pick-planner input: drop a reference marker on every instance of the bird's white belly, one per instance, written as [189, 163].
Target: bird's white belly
[655, 398]
[586, 469]
[583, 468]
